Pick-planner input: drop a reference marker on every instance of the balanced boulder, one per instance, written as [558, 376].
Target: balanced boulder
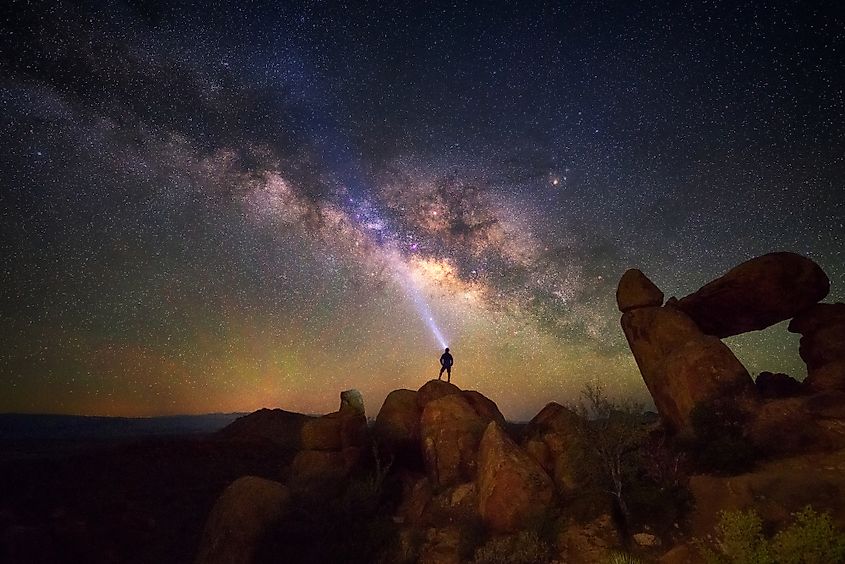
[756, 294]
[241, 516]
[636, 290]
[680, 365]
[513, 490]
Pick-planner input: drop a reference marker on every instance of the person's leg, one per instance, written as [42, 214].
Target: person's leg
[440, 376]
[449, 374]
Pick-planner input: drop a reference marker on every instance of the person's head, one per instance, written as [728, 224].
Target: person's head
[447, 349]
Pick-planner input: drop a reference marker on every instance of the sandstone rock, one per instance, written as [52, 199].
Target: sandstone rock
[241, 516]
[450, 430]
[322, 433]
[416, 496]
[549, 438]
[680, 365]
[513, 490]
[828, 377]
[398, 420]
[789, 426]
[636, 290]
[777, 385]
[441, 546]
[352, 402]
[434, 389]
[586, 544]
[484, 406]
[756, 294]
[776, 489]
[822, 329]
[646, 540]
[321, 472]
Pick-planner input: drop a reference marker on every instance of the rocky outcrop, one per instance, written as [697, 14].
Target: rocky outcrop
[483, 406]
[513, 490]
[241, 516]
[777, 385]
[593, 542]
[822, 346]
[635, 290]
[397, 427]
[331, 447]
[681, 366]
[548, 438]
[276, 426]
[808, 423]
[450, 430]
[756, 294]
[434, 389]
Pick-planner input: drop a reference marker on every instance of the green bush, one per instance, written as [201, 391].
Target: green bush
[523, 548]
[811, 539]
[623, 558]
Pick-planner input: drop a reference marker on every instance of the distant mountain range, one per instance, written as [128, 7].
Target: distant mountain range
[36, 426]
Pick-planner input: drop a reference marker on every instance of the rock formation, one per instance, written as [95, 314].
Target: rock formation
[822, 347]
[635, 290]
[777, 385]
[451, 431]
[756, 294]
[241, 516]
[681, 366]
[548, 438]
[397, 427]
[331, 447]
[513, 490]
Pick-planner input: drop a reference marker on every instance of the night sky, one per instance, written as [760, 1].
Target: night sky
[223, 207]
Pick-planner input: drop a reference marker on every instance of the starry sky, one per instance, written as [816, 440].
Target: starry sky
[226, 206]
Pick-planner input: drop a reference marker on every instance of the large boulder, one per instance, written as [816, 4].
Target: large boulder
[434, 389]
[777, 385]
[822, 347]
[241, 516]
[792, 425]
[635, 290]
[681, 366]
[549, 438]
[397, 426]
[514, 492]
[756, 294]
[321, 473]
[339, 430]
[484, 406]
[450, 431]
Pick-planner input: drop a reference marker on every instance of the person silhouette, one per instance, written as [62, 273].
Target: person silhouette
[446, 361]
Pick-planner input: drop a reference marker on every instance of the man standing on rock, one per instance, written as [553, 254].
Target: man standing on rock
[446, 364]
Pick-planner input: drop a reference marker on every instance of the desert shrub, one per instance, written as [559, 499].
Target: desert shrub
[719, 444]
[810, 539]
[525, 547]
[622, 558]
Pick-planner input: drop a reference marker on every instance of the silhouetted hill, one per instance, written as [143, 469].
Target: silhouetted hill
[275, 425]
[16, 426]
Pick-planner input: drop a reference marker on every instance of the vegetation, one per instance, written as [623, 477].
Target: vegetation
[623, 558]
[643, 475]
[810, 539]
[719, 445]
[522, 548]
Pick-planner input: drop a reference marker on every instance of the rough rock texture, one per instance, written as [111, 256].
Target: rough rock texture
[450, 430]
[680, 365]
[777, 385]
[822, 329]
[513, 489]
[586, 544]
[636, 290]
[484, 406]
[397, 427]
[756, 294]
[241, 515]
[351, 401]
[549, 437]
[434, 389]
[277, 426]
[441, 546]
[775, 490]
[801, 424]
[321, 473]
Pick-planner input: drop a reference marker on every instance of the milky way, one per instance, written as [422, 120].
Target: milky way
[241, 206]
